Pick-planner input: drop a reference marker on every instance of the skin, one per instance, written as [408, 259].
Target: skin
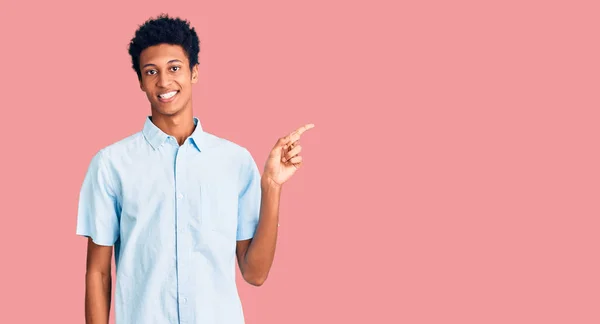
[166, 68]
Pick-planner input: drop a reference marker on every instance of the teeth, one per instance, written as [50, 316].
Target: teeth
[168, 95]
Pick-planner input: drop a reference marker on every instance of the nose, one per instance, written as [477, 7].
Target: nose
[163, 80]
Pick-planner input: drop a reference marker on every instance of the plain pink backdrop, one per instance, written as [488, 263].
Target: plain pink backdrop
[452, 177]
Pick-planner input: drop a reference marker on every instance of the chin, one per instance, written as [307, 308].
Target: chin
[167, 112]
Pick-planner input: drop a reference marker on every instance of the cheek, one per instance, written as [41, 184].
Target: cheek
[144, 86]
[149, 93]
[184, 85]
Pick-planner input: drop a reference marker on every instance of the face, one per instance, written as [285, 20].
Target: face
[167, 79]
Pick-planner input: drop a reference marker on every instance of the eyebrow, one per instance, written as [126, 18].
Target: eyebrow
[171, 61]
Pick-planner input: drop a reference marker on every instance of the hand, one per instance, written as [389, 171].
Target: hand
[285, 158]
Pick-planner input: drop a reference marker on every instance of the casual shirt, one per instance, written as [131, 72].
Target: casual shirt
[173, 214]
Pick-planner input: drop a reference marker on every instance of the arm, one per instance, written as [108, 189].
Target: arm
[98, 221]
[98, 283]
[255, 256]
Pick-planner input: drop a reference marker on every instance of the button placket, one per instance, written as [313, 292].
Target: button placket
[183, 266]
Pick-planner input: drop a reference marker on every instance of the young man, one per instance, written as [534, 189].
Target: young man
[179, 205]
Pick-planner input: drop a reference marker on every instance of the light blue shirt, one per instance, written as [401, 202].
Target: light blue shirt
[173, 214]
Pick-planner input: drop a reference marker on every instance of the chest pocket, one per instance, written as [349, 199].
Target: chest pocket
[220, 207]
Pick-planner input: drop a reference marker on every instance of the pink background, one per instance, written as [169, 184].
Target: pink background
[452, 177]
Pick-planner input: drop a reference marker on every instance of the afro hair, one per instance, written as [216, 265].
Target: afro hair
[164, 30]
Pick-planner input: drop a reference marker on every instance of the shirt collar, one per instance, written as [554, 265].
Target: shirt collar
[156, 137]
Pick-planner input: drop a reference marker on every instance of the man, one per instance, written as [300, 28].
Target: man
[179, 205]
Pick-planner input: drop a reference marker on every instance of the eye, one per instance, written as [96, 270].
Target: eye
[151, 72]
[175, 68]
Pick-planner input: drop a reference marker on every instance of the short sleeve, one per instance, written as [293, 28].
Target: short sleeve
[249, 199]
[97, 215]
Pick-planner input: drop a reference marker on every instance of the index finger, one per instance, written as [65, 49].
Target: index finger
[295, 135]
[304, 128]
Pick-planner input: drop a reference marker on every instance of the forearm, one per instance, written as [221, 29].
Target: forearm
[97, 297]
[261, 252]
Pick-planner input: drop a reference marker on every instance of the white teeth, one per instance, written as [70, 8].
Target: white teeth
[168, 95]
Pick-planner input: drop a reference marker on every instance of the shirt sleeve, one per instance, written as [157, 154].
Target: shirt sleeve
[97, 215]
[249, 199]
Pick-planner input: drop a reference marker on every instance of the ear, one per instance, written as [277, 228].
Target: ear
[195, 73]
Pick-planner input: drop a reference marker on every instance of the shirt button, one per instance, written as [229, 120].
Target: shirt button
[179, 195]
[184, 300]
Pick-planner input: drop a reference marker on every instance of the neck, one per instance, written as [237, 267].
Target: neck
[180, 125]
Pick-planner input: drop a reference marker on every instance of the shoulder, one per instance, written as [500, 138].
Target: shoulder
[129, 144]
[227, 147]
[233, 157]
[106, 158]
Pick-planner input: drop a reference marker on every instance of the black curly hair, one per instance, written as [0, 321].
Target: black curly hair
[164, 30]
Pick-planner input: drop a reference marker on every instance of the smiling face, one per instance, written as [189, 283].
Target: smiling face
[167, 79]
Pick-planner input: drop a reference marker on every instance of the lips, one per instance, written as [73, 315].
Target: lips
[167, 96]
